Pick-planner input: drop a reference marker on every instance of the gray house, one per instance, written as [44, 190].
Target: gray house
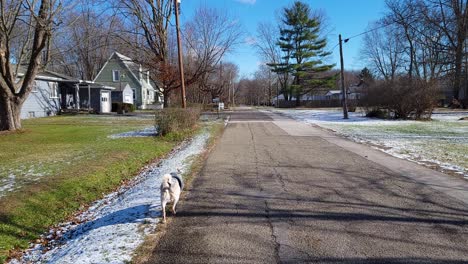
[120, 71]
[44, 99]
[53, 92]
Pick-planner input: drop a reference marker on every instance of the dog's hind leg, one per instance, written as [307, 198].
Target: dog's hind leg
[176, 199]
[163, 205]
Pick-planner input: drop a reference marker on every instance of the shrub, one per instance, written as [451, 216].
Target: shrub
[128, 108]
[170, 120]
[123, 108]
[401, 98]
[377, 113]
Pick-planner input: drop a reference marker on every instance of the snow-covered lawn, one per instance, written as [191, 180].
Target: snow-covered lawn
[441, 144]
[146, 132]
[111, 230]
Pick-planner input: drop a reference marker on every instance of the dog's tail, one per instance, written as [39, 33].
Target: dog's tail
[166, 180]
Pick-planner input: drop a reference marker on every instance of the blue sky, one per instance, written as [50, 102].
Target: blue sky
[345, 17]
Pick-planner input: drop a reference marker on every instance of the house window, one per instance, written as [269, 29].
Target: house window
[53, 90]
[134, 94]
[115, 75]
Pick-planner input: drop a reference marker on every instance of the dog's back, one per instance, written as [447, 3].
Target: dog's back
[178, 178]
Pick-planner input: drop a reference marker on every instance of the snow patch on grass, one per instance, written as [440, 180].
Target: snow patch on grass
[12, 179]
[146, 132]
[7, 185]
[111, 229]
[439, 144]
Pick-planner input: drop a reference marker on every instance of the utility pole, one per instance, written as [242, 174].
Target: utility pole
[233, 95]
[269, 88]
[229, 88]
[179, 48]
[343, 89]
[277, 92]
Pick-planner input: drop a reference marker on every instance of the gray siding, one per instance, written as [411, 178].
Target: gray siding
[105, 78]
[95, 103]
[39, 103]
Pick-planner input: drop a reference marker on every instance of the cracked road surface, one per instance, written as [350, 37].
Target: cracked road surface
[278, 191]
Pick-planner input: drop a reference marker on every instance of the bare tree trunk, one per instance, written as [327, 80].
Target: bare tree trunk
[10, 110]
[458, 66]
[13, 93]
[166, 95]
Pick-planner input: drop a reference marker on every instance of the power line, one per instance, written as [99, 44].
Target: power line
[382, 26]
[360, 34]
[370, 30]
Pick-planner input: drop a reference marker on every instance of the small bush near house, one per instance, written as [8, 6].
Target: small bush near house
[122, 108]
[402, 98]
[171, 120]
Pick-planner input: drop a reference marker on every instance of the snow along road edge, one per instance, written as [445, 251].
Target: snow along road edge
[112, 229]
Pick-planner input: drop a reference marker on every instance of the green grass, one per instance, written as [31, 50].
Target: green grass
[62, 164]
[417, 128]
[433, 141]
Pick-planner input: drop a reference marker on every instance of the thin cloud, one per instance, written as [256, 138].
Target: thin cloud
[249, 2]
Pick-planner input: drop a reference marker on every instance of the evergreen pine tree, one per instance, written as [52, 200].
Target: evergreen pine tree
[303, 50]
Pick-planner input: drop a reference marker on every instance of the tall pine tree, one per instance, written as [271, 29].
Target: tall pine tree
[303, 51]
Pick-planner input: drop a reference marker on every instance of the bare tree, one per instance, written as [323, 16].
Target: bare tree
[384, 50]
[404, 14]
[217, 83]
[451, 16]
[266, 83]
[424, 39]
[30, 23]
[266, 44]
[425, 46]
[85, 40]
[207, 38]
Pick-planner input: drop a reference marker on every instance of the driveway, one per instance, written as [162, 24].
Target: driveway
[278, 191]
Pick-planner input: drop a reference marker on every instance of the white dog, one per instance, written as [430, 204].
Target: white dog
[171, 188]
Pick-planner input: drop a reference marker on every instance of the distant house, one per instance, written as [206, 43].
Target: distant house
[44, 99]
[322, 97]
[333, 95]
[121, 71]
[53, 92]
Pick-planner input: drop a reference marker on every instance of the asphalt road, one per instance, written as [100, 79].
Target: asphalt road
[276, 191]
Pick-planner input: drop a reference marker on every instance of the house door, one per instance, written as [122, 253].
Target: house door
[105, 102]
